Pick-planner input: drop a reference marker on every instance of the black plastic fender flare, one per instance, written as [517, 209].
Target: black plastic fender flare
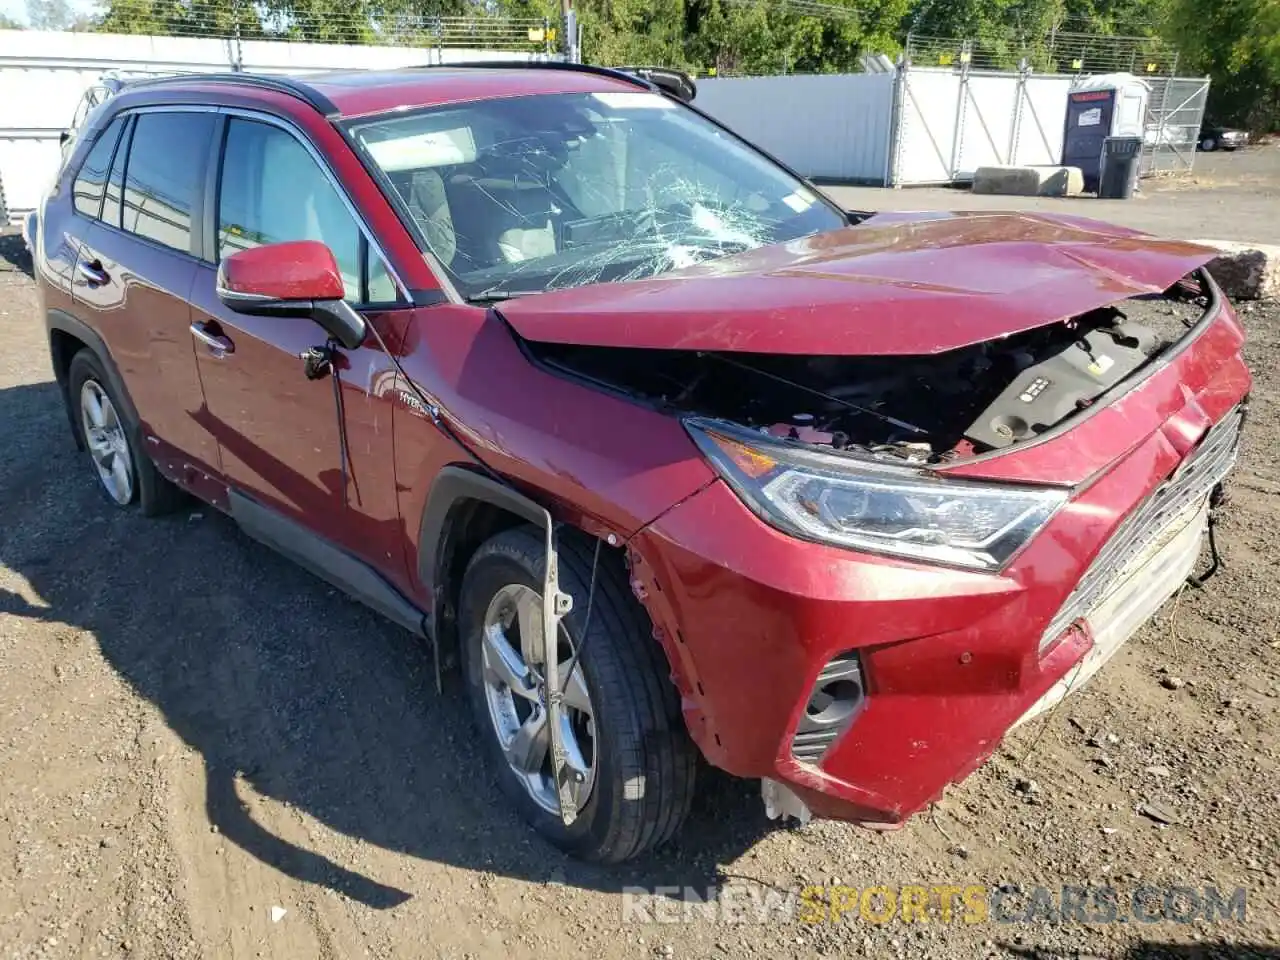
[64, 322]
[453, 485]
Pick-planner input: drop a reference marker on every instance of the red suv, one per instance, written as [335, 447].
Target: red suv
[672, 455]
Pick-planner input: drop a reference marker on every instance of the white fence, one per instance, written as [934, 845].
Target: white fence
[912, 126]
[834, 126]
[950, 122]
[44, 74]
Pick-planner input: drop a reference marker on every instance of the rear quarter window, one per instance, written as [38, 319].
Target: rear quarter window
[86, 191]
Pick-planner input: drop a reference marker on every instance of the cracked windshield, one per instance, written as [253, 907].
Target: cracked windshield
[530, 194]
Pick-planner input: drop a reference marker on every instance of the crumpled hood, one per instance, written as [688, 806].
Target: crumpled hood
[912, 283]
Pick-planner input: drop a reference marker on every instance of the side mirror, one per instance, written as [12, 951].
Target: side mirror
[295, 279]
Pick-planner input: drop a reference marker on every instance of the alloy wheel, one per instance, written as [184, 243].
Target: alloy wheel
[104, 435]
[515, 692]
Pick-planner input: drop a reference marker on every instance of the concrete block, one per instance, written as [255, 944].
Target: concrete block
[1245, 271]
[1030, 181]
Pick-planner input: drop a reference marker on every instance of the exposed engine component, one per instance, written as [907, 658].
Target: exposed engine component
[1048, 391]
[922, 408]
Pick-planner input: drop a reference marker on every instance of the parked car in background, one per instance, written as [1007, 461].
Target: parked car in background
[1213, 137]
[670, 454]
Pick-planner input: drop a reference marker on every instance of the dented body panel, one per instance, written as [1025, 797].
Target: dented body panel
[952, 658]
[881, 288]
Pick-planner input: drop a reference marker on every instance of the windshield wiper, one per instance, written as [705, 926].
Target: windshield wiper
[497, 295]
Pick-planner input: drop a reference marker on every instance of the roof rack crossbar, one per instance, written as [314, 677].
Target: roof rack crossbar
[286, 85]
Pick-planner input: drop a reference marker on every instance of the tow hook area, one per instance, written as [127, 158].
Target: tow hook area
[780, 801]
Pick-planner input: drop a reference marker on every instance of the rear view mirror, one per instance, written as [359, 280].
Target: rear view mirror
[296, 279]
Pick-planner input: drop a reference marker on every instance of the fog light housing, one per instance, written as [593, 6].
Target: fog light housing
[838, 695]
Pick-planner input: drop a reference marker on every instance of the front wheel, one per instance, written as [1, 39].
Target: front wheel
[1208, 144]
[628, 752]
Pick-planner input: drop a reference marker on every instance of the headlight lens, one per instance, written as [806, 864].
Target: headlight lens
[878, 508]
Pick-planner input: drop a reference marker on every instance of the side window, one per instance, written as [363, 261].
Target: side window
[86, 192]
[115, 181]
[273, 190]
[165, 174]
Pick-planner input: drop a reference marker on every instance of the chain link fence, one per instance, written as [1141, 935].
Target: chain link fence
[358, 23]
[1175, 111]
[1059, 52]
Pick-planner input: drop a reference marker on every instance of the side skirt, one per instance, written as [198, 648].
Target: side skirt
[327, 561]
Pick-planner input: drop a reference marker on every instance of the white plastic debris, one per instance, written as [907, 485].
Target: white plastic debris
[277, 914]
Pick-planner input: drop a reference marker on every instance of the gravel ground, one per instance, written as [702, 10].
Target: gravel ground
[205, 752]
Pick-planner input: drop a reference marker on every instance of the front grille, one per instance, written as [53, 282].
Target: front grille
[1189, 484]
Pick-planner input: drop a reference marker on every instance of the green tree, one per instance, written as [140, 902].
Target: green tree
[54, 15]
[1237, 42]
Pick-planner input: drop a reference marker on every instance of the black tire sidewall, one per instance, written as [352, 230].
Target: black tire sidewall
[496, 565]
[86, 366]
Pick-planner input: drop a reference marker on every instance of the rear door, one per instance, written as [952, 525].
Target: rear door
[135, 274]
[317, 452]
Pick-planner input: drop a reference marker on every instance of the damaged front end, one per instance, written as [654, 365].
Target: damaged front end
[923, 410]
[837, 449]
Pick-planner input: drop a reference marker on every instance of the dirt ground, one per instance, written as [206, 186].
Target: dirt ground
[205, 752]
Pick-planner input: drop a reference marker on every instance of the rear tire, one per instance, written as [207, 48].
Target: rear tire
[1208, 144]
[642, 761]
[89, 388]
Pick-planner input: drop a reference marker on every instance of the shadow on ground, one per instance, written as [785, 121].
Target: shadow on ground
[1151, 950]
[287, 688]
[14, 254]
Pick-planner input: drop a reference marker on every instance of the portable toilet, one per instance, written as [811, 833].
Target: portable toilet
[1101, 106]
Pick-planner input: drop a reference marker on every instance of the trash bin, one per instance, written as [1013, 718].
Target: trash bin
[1120, 156]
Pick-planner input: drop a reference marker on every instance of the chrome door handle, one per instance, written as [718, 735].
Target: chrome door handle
[218, 345]
[93, 272]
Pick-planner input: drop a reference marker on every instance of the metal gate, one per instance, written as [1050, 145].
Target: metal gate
[950, 122]
[1175, 111]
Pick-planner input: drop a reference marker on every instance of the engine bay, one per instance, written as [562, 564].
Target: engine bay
[980, 398]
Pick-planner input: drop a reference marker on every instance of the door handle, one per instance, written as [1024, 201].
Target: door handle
[92, 271]
[219, 346]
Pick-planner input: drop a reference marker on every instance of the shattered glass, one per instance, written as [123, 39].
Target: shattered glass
[529, 194]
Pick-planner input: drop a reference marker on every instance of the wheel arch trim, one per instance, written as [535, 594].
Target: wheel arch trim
[63, 322]
[453, 485]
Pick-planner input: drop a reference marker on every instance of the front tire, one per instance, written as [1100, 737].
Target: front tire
[623, 727]
[1209, 144]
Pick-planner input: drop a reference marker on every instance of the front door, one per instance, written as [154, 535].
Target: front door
[317, 451]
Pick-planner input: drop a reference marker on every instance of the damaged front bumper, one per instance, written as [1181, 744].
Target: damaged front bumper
[947, 660]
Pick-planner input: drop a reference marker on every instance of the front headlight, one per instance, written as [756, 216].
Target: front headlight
[877, 508]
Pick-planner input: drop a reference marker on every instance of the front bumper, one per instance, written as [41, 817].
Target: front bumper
[750, 618]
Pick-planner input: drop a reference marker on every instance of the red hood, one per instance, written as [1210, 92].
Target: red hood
[898, 284]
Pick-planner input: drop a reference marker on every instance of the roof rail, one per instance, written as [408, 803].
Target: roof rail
[286, 85]
[673, 82]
